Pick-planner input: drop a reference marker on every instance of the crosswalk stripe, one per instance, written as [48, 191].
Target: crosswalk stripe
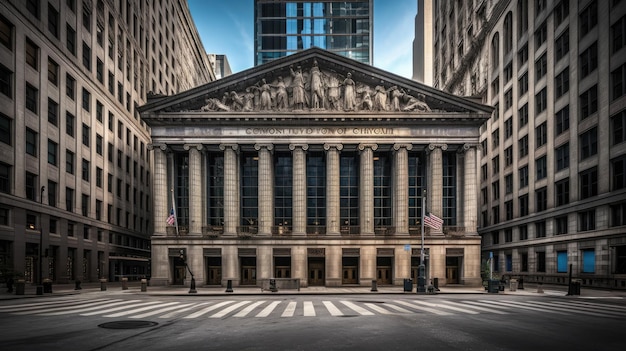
[229, 309]
[118, 308]
[267, 310]
[525, 306]
[397, 308]
[289, 310]
[22, 306]
[588, 310]
[133, 311]
[440, 305]
[91, 308]
[248, 309]
[482, 307]
[332, 309]
[159, 311]
[173, 313]
[308, 309]
[358, 309]
[422, 308]
[208, 309]
[64, 307]
[600, 305]
[377, 308]
[46, 306]
[498, 307]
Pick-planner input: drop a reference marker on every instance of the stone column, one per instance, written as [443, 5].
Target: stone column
[230, 265]
[366, 188]
[264, 263]
[231, 188]
[266, 188]
[401, 188]
[299, 188]
[160, 197]
[332, 188]
[435, 184]
[195, 188]
[469, 190]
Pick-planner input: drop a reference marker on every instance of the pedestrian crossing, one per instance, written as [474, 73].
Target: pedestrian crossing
[225, 308]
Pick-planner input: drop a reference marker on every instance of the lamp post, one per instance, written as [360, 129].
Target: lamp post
[40, 275]
[421, 278]
[192, 286]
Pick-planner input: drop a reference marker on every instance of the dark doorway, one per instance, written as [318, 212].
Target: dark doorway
[248, 270]
[316, 271]
[179, 271]
[350, 270]
[282, 267]
[384, 270]
[214, 270]
[453, 268]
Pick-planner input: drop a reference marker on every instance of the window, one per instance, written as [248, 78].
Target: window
[589, 143]
[86, 100]
[5, 178]
[6, 33]
[588, 18]
[495, 163]
[588, 182]
[85, 170]
[588, 60]
[69, 162]
[561, 45]
[562, 157]
[508, 72]
[589, 261]
[587, 220]
[508, 183]
[618, 214]
[32, 54]
[495, 214]
[495, 237]
[540, 6]
[99, 144]
[86, 135]
[561, 261]
[522, 84]
[99, 177]
[52, 194]
[618, 127]
[69, 204]
[86, 56]
[99, 70]
[541, 35]
[32, 96]
[87, 18]
[541, 167]
[6, 81]
[541, 67]
[484, 195]
[508, 99]
[523, 177]
[53, 152]
[6, 130]
[495, 139]
[53, 72]
[53, 21]
[33, 7]
[541, 261]
[70, 41]
[84, 206]
[541, 199]
[561, 12]
[31, 186]
[70, 84]
[562, 192]
[483, 172]
[99, 111]
[495, 50]
[495, 189]
[618, 35]
[31, 142]
[522, 17]
[540, 229]
[522, 55]
[508, 33]
[541, 101]
[508, 156]
[589, 102]
[541, 134]
[618, 173]
[618, 82]
[69, 124]
[561, 82]
[53, 112]
[508, 128]
[523, 232]
[523, 146]
[508, 207]
[560, 223]
[523, 115]
[562, 120]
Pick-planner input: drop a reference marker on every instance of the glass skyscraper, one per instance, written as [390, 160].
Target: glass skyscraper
[284, 27]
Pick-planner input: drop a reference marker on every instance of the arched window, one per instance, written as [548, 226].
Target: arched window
[495, 50]
[522, 17]
[508, 33]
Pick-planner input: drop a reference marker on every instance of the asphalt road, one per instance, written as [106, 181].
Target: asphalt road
[312, 322]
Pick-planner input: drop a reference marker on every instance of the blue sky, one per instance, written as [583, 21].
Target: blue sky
[226, 27]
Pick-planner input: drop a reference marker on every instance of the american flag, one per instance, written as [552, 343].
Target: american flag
[172, 218]
[433, 221]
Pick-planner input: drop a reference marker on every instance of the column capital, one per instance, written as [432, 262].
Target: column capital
[302, 146]
[269, 147]
[338, 147]
[397, 147]
[154, 146]
[466, 147]
[188, 147]
[368, 146]
[233, 147]
[443, 147]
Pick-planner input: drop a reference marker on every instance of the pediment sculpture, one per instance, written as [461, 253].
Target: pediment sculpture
[316, 89]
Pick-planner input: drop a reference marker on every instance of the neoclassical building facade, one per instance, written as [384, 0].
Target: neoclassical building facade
[313, 167]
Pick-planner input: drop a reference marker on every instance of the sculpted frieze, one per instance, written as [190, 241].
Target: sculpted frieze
[316, 89]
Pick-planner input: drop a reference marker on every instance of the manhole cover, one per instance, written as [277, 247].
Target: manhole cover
[127, 324]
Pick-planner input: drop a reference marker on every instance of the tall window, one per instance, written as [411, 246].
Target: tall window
[589, 102]
[541, 101]
[32, 54]
[53, 112]
[249, 189]
[417, 184]
[587, 220]
[495, 50]
[588, 18]
[523, 115]
[618, 82]
[6, 33]
[70, 41]
[32, 98]
[541, 168]
[6, 129]
[541, 135]
[541, 67]
[541, 34]
[523, 177]
[522, 17]
[31, 142]
[562, 120]
[561, 45]
[382, 190]
[5, 178]
[6, 81]
[181, 188]
[283, 189]
[618, 173]
[589, 261]
[562, 157]
[589, 60]
[589, 143]
[31, 186]
[508, 33]
[53, 20]
[588, 180]
[561, 82]
[541, 199]
[562, 192]
[618, 35]
[349, 190]
[523, 146]
[53, 152]
[618, 127]
[316, 189]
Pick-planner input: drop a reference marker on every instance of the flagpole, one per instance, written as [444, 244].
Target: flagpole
[174, 209]
[421, 269]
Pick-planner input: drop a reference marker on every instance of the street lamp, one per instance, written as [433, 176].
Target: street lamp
[40, 279]
[421, 278]
[192, 287]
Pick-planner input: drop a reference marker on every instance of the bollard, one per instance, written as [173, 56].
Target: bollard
[77, 285]
[103, 284]
[124, 283]
[540, 288]
[273, 285]
[144, 284]
[520, 283]
[19, 287]
[374, 288]
[47, 286]
[229, 286]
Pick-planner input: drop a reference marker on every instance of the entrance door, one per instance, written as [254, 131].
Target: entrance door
[248, 275]
[282, 267]
[179, 271]
[452, 270]
[316, 272]
[383, 270]
[350, 270]
[214, 270]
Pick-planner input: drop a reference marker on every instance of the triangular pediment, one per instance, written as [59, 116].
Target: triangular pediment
[314, 80]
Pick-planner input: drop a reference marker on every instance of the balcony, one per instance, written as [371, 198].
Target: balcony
[350, 230]
[212, 231]
[315, 230]
[281, 230]
[247, 231]
[384, 230]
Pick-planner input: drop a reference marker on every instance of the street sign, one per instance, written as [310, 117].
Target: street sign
[407, 247]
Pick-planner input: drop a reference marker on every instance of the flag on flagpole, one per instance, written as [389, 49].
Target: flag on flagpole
[433, 221]
[172, 218]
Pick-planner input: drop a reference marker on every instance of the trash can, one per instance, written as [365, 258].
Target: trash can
[124, 283]
[20, 286]
[103, 284]
[144, 284]
[574, 288]
[408, 285]
[493, 286]
[47, 286]
[513, 284]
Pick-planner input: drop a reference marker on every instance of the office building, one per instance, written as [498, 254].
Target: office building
[313, 168]
[552, 188]
[284, 27]
[75, 170]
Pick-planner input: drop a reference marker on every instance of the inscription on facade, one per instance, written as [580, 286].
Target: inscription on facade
[319, 131]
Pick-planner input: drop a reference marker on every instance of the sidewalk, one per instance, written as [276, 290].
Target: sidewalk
[135, 288]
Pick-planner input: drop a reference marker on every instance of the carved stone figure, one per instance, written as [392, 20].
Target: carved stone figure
[266, 95]
[317, 89]
[380, 98]
[237, 103]
[297, 85]
[282, 99]
[248, 100]
[395, 94]
[366, 101]
[333, 93]
[415, 104]
[349, 93]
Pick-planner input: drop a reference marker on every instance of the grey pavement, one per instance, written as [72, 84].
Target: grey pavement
[135, 288]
